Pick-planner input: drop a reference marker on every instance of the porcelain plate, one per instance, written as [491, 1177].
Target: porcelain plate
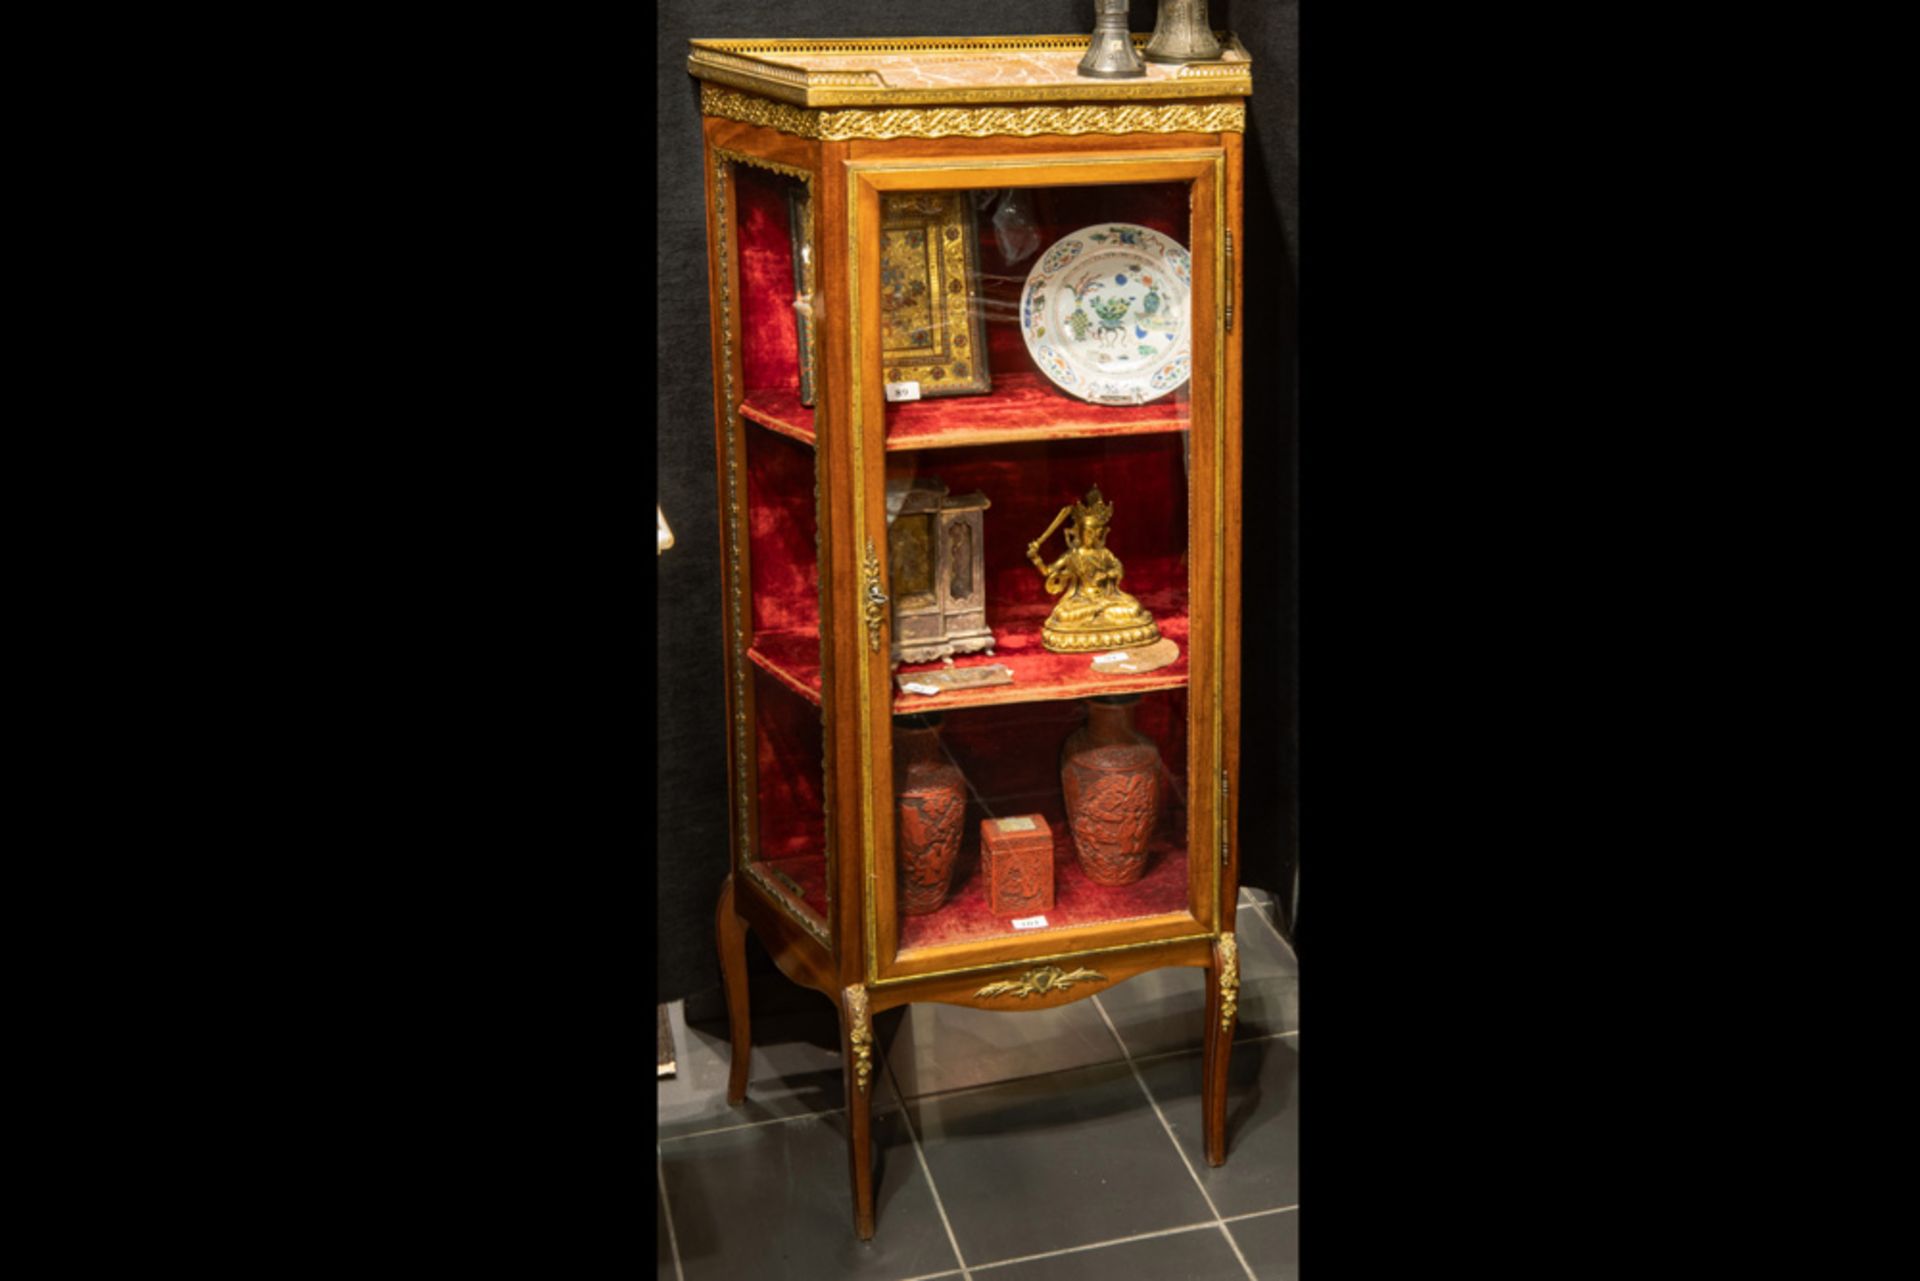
[1105, 314]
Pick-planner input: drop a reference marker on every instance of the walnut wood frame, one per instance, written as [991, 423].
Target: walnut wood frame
[855, 964]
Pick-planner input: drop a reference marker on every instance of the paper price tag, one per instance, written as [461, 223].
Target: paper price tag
[903, 391]
[1030, 923]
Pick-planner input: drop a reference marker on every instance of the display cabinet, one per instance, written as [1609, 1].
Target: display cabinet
[977, 413]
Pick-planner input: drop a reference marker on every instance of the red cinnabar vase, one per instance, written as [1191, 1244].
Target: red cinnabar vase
[932, 802]
[1111, 775]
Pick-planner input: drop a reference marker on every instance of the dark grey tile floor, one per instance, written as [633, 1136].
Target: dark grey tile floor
[1043, 1146]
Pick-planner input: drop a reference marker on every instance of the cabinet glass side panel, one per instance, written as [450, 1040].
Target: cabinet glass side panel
[789, 854]
[1038, 503]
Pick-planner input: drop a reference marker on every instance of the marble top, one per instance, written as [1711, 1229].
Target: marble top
[969, 70]
[872, 72]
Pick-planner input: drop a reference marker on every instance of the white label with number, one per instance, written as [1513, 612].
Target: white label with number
[1030, 923]
[903, 391]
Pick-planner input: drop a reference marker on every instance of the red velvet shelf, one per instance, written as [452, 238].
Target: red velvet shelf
[1024, 406]
[809, 872]
[1040, 676]
[967, 917]
[780, 411]
[793, 659]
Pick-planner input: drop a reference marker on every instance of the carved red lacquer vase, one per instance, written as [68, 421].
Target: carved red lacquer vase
[932, 805]
[1111, 775]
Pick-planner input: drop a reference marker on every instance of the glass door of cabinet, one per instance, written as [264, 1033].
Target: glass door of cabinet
[772, 487]
[1040, 429]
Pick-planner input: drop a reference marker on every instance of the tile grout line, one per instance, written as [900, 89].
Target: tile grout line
[1102, 1245]
[1234, 1246]
[918, 1151]
[1097, 1245]
[1173, 1138]
[666, 1203]
[1032, 1076]
[901, 1099]
[749, 1125]
[1252, 1040]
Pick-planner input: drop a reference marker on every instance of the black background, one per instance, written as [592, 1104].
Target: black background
[691, 823]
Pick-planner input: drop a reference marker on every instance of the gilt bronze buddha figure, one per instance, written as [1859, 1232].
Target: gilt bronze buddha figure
[1093, 613]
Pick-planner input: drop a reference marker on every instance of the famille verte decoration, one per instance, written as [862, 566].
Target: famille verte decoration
[1105, 314]
[1092, 613]
[932, 330]
[937, 572]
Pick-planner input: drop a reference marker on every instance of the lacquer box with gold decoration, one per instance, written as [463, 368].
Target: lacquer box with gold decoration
[997, 139]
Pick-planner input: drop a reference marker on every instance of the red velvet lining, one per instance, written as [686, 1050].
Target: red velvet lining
[1010, 751]
[1010, 755]
[1144, 477]
[1024, 401]
[1011, 758]
[1038, 673]
[769, 343]
[810, 874]
[1023, 406]
[791, 753]
[780, 539]
[793, 658]
[779, 409]
[1022, 398]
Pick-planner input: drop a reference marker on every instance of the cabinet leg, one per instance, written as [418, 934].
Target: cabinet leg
[1223, 1006]
[731, 932]
[857, 1035]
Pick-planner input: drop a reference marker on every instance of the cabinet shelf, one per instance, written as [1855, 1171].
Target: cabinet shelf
[1023, 407]
[802, 880]
[780, 411]
[793, 659]
[1040, 676]
[1161, 894]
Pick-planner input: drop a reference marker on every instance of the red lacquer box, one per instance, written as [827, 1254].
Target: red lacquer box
[1018, 856]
